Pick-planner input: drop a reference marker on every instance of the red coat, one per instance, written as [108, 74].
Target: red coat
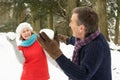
[35, 66]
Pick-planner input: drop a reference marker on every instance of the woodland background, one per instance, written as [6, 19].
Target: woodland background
[56, 14]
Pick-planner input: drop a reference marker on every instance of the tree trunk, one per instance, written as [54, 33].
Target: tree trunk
[21, 16]
[71, 5]
[35, 22]
[117, 29]
[50, 19]
[101, 9]
[36, 25]
[117, 25]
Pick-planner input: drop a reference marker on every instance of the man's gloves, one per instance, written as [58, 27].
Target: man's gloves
[51, 46]
[62, 38]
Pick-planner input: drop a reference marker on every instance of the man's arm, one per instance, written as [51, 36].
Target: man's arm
[67, 40]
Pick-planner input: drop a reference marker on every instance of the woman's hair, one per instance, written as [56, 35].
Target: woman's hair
[88, 17]
[21, 38]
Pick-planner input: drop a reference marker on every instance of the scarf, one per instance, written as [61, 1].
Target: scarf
[79, 43]
[30, 41]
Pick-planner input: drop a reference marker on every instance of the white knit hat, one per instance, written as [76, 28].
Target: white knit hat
[22, 26]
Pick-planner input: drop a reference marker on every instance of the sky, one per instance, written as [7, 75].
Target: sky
[11, 69]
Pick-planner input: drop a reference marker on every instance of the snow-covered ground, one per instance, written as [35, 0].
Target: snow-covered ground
[10, 68]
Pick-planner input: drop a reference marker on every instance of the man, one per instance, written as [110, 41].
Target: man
[91, 58]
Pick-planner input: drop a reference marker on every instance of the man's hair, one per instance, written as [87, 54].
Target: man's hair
[88, 17]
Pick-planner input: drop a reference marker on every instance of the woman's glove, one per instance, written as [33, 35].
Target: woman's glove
[51, 46]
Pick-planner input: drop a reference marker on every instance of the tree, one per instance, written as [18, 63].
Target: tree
[6, 19]
[71, 5]
[44, 11]
[117, 22]
[100, 6]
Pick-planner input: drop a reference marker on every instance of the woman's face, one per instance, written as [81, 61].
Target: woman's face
[26, 33]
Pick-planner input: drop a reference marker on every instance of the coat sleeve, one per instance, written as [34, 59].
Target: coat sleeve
[18, 52]
[70, 40]
[19, 55]
[88, 66]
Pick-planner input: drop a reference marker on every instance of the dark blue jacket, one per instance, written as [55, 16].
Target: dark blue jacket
[94, 62]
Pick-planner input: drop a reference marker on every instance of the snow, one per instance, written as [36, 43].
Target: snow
[10, 68]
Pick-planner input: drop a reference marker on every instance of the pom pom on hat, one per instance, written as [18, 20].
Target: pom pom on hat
[22, 26]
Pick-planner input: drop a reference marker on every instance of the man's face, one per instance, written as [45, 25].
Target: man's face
[78, 30]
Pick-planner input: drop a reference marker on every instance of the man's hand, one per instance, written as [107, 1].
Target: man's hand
[51, 46]
[62, 38]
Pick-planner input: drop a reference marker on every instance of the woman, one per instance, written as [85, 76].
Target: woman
[35, 66]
